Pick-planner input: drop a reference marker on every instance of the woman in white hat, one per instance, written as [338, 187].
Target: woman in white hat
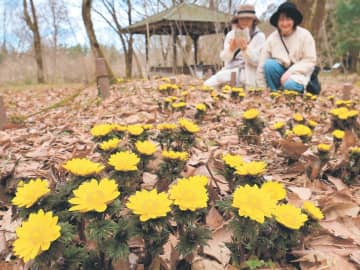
[289, 55]
[242, 47]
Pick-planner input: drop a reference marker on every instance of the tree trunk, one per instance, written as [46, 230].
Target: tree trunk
[129, 58]
[314, 14]
[354, 55]
[95, 47]
[32, 23]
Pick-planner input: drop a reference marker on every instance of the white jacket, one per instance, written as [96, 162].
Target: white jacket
[301, 46]
[251, 56]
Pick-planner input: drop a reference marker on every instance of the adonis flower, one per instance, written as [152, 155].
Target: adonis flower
[94, 195]
[101, 130]
[188, 125]
[253, 203]
[313, 211]
[189, 194]
[29, 193]
[276, 190]
[124, 161]
[83, 167]
[290, 216]
[146, 147]
[175, 155]
[36, 235]
[251, 114]
[110, 144]
[149, 204]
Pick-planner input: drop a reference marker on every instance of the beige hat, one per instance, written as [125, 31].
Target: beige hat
[245, 11]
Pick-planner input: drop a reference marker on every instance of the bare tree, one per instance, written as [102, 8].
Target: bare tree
[126, 39]
[58, 15]
[95, 47]
[32, 22]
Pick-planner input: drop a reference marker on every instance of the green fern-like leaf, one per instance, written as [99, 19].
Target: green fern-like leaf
[101, 230]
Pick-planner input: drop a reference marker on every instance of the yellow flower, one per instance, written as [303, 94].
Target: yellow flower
[323, 147]
[343, 103]
[214, 94]
[343, 113]
[290, 93]
[237, 90]
[278, 125]
[168, 86]
[184, 93]
[242, 95]
[226, 89]
[302, 131]
[253, 168]
[135, 130]
[355, 150]
[251, 114]
[338, 134]
[189, 125]
[331, 97]
[28, 194]
[298, 117]
[179, 105]
[117, 127]
[353, 113]
[253, 203]
[312, 123]
[189, 194]
[165, 79]
[110, 144]
[149, 204]
[146, 147]
[36, 235]
[276, 190]
[94, 195]
[175, 155]
[101, 130]
[83, 167]
[201, 107]
[206, 88]
[275, 94]
[290, 216]
[233, 161]
[198, 179]
[124, 161]
[168, 100]
[166, 126]
[338, 111]
[148, 126]
[313, 211]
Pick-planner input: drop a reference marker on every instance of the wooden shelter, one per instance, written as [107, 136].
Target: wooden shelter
[183, 19]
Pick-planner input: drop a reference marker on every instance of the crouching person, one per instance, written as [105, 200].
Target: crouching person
[242, 47]
[289, 55]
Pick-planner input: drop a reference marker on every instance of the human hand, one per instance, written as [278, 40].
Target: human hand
[232, 45]
[242, 43]
[284, 77]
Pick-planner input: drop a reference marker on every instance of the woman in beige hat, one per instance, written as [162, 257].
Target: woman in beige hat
[242, 47]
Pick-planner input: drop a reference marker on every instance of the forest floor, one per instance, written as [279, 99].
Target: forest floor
[50, 125]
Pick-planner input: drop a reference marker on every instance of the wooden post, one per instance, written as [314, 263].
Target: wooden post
[173, 33]
[3, 119]
[195, 41]
[102, 78]
[347, 91]
[233, 79]
[147, 49]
